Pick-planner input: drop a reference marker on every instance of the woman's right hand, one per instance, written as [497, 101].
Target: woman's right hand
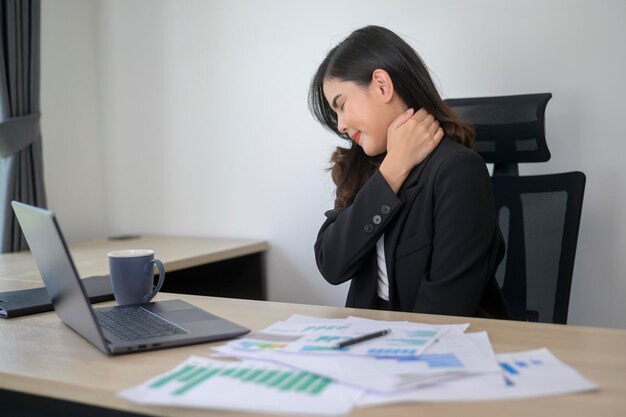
[411, 137]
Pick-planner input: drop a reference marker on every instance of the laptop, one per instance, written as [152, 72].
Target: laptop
[119, 329]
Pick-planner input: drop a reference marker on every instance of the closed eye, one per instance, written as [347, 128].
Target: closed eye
[334, 104]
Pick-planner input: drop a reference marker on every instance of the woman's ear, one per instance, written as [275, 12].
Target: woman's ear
[382, 85]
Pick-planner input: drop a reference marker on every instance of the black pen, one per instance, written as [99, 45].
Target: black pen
[363, 338]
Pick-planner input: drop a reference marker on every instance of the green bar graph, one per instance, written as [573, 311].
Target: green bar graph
[324, 328]
[320, 386]
[268, 375]
[228, 371]
[241, 372]
[289, 384]
[200, 378]
[190, 376]
[307, 382]
[407, 342]
[280, 378]
[421, 333]
[254, 374]
[174, 375]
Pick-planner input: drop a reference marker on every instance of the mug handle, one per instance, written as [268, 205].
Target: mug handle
[161, 269]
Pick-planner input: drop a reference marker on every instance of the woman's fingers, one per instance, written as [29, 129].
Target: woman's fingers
[432, 129]
[401, 119]
[412, 136]
[420, 115]
[423, 130]
[438, 135]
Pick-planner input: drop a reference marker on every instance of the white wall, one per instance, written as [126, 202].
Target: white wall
[73, 162]
[201, 117]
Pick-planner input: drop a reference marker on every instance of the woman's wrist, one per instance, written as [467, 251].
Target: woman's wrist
[394, 174]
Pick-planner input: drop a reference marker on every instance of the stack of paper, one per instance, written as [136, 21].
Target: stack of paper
[411, 355]
[296, 366]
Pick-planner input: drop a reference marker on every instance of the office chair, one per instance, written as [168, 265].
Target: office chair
[539, 215]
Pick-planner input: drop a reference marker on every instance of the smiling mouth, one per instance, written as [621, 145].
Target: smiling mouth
[356, 137]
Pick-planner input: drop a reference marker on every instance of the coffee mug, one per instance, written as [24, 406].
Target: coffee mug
[132, 275]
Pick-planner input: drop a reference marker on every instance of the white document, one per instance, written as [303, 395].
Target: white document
[248, 386]
[525, 374]
[300, 318]
[463, 326]
[321, 338]
[453, 354]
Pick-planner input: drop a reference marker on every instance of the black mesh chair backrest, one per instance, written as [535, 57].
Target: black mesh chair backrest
[509, 129]
[539, 217]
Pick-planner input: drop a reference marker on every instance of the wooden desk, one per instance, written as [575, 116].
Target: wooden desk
[41, 356]
[194, 265]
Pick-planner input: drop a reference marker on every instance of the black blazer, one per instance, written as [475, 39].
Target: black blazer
[442, 240]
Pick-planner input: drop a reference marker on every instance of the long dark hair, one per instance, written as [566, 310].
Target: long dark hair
[355, 59]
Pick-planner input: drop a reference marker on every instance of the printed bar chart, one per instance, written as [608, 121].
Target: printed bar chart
[433, 360]
[516, 367]
[254, 344]
[324, 328]
[391, 352]
[189, 377]
[407, 342]
[330, 338]
[249, 385]
[421, 333]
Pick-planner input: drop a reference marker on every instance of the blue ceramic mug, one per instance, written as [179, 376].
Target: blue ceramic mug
[132, 275]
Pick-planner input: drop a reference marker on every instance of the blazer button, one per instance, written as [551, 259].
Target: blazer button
[377, 219]
[369, 228]
[385, 209]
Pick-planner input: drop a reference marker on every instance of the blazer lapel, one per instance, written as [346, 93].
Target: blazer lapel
[414, 176]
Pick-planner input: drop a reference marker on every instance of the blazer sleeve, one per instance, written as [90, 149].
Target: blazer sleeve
[348, 235]
[464, 238]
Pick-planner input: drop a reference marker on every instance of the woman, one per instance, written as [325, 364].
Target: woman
[414, 225]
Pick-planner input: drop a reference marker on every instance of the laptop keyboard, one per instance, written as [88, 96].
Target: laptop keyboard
[133, 323]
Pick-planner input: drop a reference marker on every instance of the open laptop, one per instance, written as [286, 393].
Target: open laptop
[118, 329]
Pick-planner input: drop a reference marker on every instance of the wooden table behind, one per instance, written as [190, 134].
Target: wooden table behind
[194, 265]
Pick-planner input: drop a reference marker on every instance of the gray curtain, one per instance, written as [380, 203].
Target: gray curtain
[21, 159]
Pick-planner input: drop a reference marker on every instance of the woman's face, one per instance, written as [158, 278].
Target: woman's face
[364, 113]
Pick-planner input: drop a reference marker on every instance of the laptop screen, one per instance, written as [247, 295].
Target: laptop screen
[58, 272]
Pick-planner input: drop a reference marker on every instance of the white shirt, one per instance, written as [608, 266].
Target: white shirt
[383, 279]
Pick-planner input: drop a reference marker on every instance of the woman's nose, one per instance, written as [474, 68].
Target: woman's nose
[342, 127]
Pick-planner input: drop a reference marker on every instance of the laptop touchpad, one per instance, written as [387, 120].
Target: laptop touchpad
[188, 316]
